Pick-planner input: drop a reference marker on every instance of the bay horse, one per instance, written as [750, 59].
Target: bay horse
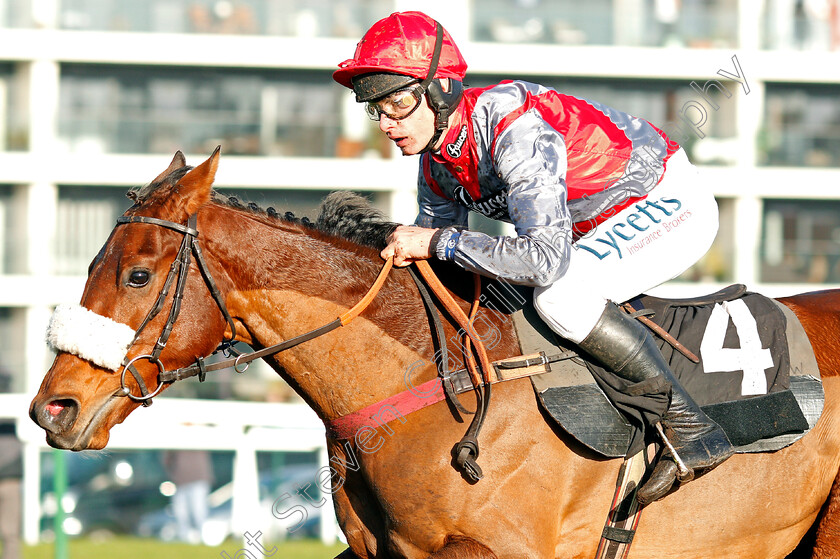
[543, 495]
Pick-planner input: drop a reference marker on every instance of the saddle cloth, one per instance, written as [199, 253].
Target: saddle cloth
[757, 378]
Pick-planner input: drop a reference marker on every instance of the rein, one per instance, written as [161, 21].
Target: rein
[466, 451]
[201, 369]
[180, 268]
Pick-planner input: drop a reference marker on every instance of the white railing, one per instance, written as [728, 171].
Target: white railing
[174, 423]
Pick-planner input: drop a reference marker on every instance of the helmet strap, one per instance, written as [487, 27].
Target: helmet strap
[430, 76]
[435, 56]
[438, 100]
[442, 104]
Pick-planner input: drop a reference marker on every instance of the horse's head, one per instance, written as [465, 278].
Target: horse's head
[89, 387]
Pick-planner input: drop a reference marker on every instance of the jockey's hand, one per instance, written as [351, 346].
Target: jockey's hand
[407, 244]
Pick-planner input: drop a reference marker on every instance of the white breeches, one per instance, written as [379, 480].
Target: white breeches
[640, 247]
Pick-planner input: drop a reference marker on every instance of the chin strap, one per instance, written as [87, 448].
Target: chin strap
[435, 137]
[441, 117]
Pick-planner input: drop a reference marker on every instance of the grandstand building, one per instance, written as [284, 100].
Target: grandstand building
[97, 95]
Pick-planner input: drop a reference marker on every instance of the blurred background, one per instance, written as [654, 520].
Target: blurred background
[96, 96]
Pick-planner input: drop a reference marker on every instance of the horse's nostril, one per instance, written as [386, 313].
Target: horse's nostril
[56, 407]
[57, 415]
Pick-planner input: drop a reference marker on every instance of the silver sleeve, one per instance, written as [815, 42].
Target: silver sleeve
[530, 157]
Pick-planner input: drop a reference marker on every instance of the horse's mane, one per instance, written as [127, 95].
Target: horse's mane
[342, 214]
[352, 217]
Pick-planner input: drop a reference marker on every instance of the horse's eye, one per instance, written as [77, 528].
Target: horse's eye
[138, 278]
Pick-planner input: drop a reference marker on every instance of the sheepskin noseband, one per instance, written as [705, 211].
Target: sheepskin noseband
[88, 335]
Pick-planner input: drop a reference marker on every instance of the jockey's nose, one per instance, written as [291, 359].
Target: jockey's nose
[55, 416]
[385, 123]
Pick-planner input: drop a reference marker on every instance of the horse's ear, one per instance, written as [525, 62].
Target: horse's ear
[177, 162]
[196, 185]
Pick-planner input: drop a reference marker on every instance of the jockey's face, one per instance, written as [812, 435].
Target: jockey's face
[413, 133]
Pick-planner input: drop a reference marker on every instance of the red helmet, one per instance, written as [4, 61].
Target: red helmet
[403, 43]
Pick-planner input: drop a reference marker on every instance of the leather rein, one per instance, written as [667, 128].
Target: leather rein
[180, 268]
[466, 451]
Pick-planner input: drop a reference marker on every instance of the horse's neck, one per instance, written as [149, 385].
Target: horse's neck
[290, 282]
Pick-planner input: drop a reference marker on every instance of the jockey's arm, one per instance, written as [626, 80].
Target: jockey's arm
[530, 157]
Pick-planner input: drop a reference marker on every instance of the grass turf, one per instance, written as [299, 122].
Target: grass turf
[133, 548]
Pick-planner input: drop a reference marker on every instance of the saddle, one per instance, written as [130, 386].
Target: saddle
[756, 377]
[762, 382]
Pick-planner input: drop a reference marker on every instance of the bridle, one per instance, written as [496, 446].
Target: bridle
[466, 451]
[179, 269]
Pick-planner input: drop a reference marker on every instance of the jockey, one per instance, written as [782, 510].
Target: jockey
[604, 206]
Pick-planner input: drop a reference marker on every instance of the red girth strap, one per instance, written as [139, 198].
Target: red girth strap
[398, 405]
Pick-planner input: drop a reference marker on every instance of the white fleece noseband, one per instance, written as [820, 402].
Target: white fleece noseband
[88, 335]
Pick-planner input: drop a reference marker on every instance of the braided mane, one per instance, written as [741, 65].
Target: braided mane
[342, 214]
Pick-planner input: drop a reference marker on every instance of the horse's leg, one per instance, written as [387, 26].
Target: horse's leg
[827, 545]
[460, 547]
[347, 554]
[823, 538]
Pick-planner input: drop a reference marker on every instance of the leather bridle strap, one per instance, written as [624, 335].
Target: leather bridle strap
[466, 451]
[180, 268]
[200, 368]
[191, 238]
[185, 229]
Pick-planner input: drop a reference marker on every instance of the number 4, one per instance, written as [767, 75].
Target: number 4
[750, 357]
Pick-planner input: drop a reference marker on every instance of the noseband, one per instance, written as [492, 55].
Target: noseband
[180, 267]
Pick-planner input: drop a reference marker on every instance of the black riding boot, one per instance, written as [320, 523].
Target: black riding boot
[625, 347]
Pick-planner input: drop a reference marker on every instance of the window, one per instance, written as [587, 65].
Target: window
[692, 23]
[5, 113]
[12, 363]
[13, 119]
[15, 13]
[801, 241]
[86, 216]
[161, 110]
[802, 125]
[800, 25]
[291, 18]
[10, 242]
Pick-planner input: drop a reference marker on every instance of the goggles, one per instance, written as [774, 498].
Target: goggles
[397, 106]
